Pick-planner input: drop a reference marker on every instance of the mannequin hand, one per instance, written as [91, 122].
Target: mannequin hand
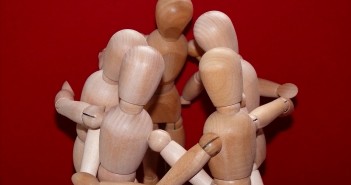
[66, 92]
[287, 90]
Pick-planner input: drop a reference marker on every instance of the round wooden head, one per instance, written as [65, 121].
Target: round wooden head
[220, 72]
[215, 29]
[111, 57]
[141, 72]
[172, 16]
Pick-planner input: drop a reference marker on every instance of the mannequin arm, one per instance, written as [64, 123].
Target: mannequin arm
[192, 89]
[265, 114]
[160, 141]
[194, 50]
[66, 106]
[77, 111]
[271, 89]
[190, 163]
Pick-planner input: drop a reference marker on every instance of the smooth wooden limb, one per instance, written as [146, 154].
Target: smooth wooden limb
[260, 148]
[160, 141]
[186, 167]
[255, 177]
[215, 29]
[91, 161]
[192, 161]
[192, 89]
[265, 114]
[66, 106]
[194, 50]
[92, 116]
[272, 89]
[78, 151]
[176, 131]
[287, 90]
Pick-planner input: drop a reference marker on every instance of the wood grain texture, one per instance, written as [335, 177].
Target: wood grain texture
[215, 29]
[118, 45]
[172, 16]
[125, 129]
[221, 74]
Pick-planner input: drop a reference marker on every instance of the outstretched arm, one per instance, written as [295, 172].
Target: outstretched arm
[265, 114]
[269, 88]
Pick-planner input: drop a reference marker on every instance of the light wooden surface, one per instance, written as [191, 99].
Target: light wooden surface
[111, 57]
[215, 29]
[160, 141]
[222, 33]
[220, 63]
[272, 89]
[221, 74]
[172, 16]
[125, 129]
[231, 123]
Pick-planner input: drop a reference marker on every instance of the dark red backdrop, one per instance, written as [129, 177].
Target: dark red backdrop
[43, 43]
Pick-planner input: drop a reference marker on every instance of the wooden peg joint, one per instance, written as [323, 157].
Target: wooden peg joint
[211, 144]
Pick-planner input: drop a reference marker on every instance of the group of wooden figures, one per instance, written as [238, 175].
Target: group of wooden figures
[133, 92]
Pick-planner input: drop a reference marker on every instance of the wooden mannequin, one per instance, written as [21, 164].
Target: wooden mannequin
[100, 93]
[160, 141]
[125, 128]
[172, 16]
[233, 130]
[222, 34]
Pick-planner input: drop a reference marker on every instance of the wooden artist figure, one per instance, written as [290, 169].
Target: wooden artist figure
[232, 128]
[222, 34]
[172, 16]
[100, 94]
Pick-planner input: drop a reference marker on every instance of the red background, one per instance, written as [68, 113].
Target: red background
[43, 43]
